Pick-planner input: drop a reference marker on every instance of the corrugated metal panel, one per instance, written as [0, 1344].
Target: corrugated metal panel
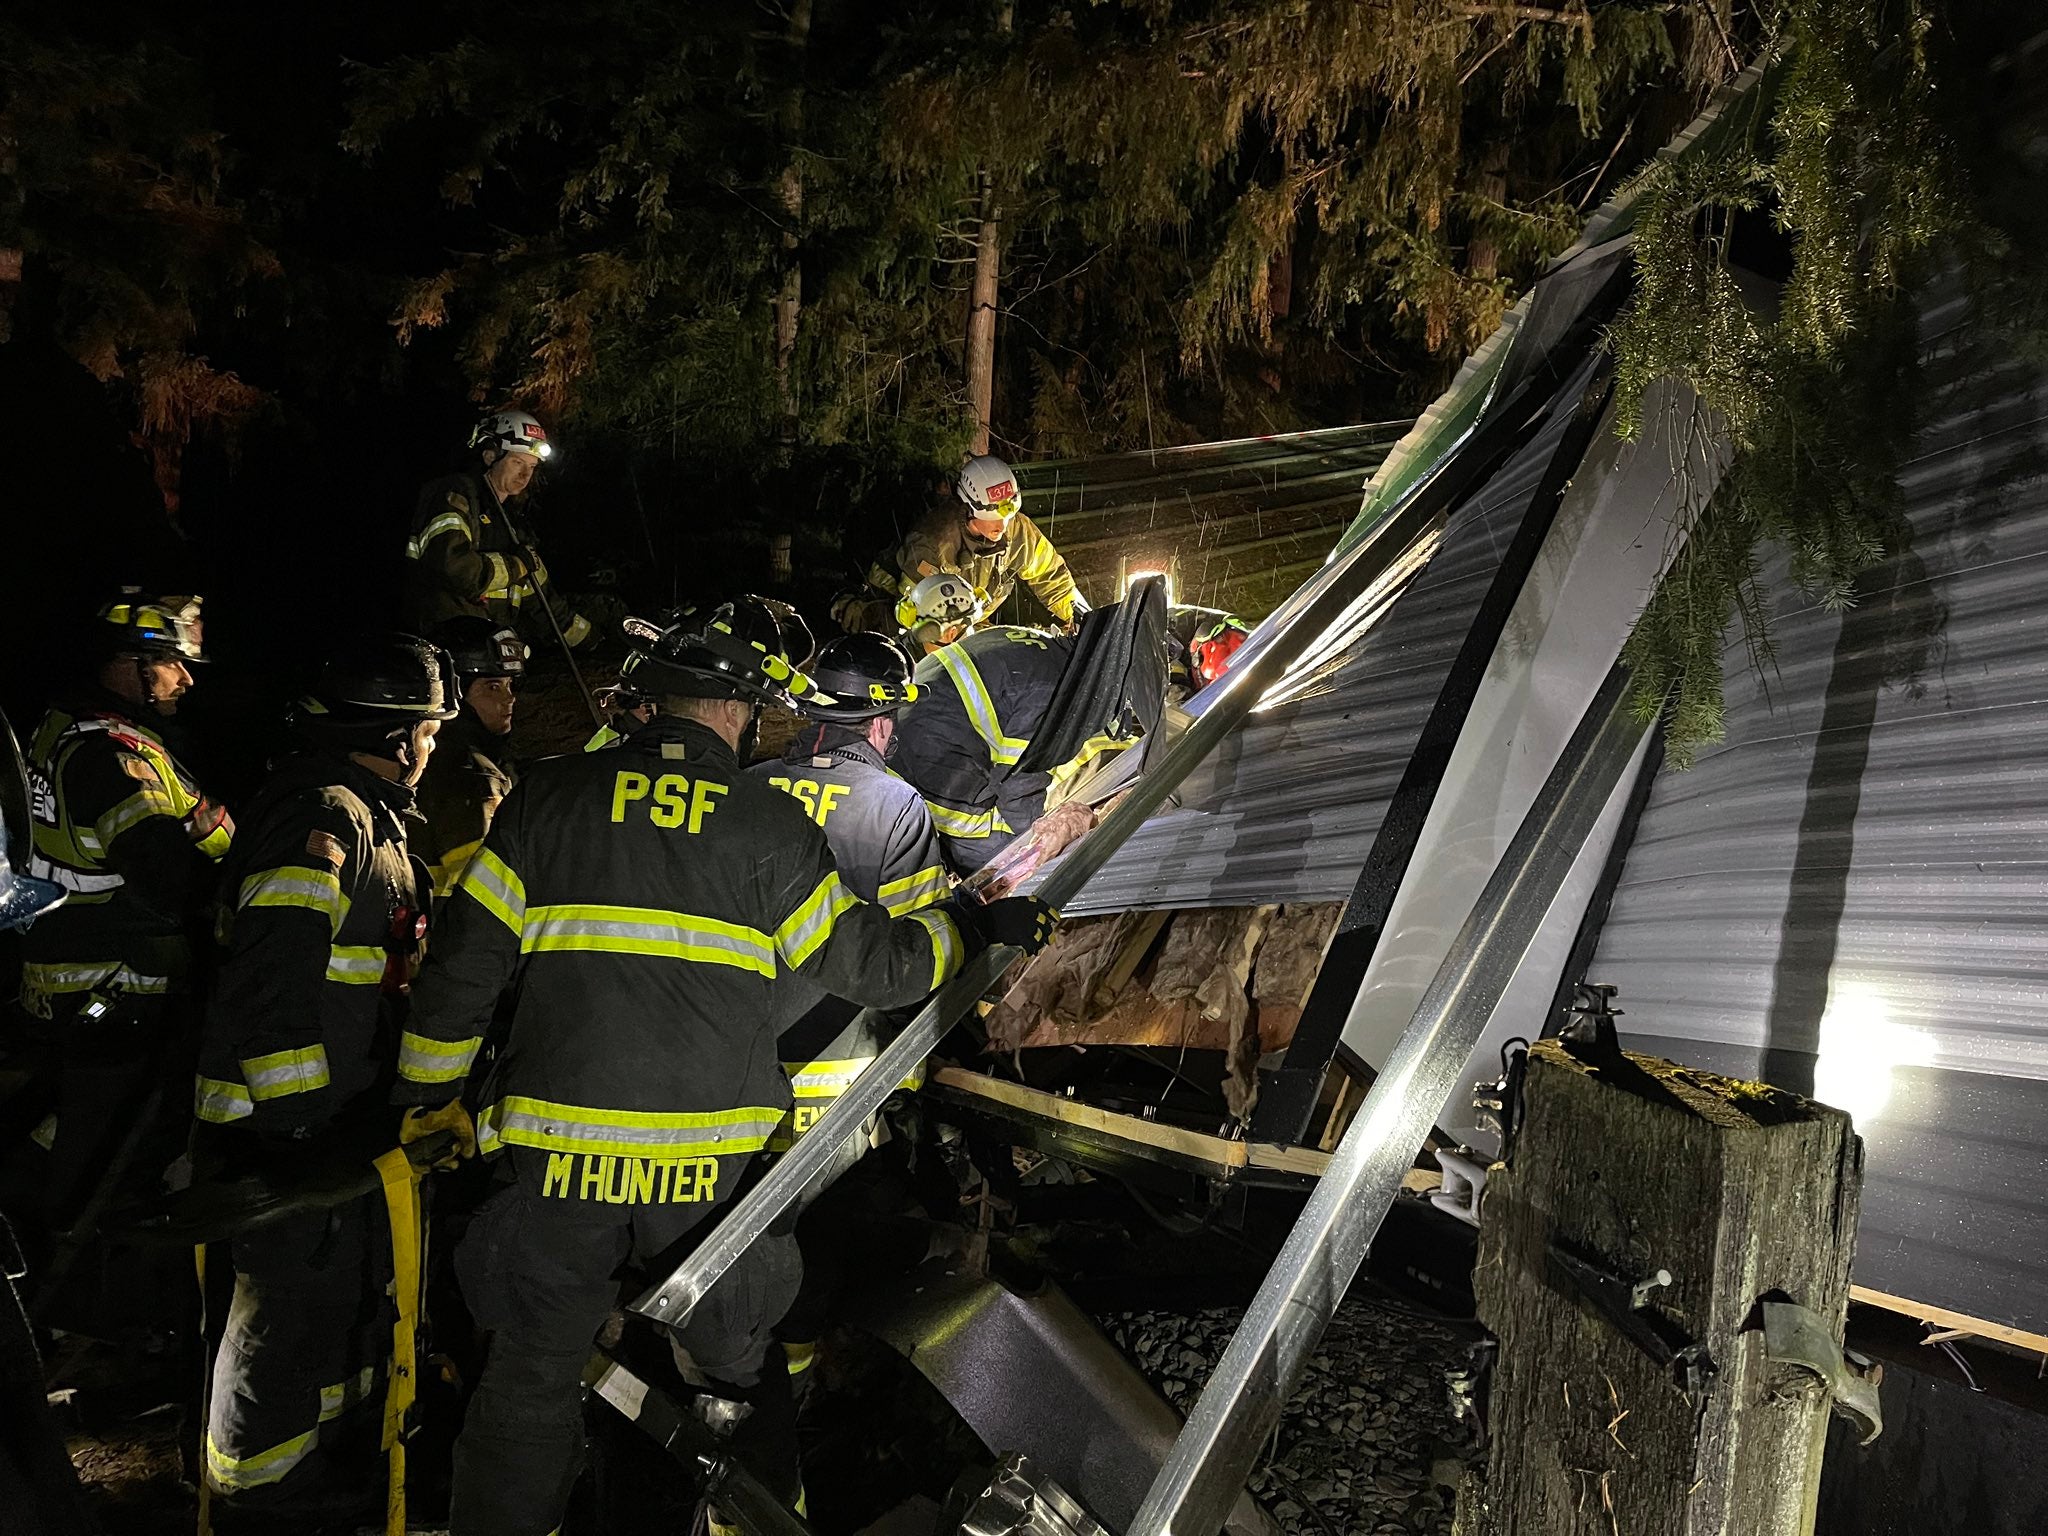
[1239, 523]
[1288, 806]
[1848, 894]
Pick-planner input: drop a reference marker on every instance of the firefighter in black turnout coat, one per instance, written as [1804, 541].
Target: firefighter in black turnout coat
[323, 911]
[882, 839]
[652, 902]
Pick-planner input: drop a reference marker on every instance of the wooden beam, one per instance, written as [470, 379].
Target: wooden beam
[1962, 1322]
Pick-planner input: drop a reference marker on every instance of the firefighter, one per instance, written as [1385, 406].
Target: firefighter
[878, 828]
[324, 916]
[985, 539]
[1204, 641]
[882, 839]
[653, 902]
[466, 776]
[942, 609]
[122, 827]
[979, 703]
[469, 555]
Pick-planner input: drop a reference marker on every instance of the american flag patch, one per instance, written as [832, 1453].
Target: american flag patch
[326, 846]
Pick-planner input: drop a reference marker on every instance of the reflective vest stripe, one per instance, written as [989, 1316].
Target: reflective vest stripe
[283, 1072]
[646, 931]
[657, 1134]
[981, 709]
[902, 897]
[218, 1101]
[494, 885]
[947, 950]
[425, 1060]
[807, 928]
[344, 1395]
[829, 1079]
[356, 965]
[967, 824]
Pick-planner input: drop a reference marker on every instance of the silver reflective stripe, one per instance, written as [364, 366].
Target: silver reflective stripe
[947, 952]
[561, 1127]
[83, 978]
[344, 1395]
[72, 880]
[356, 965]
[217, 1101]
[425, 1060]
[282, 1072]
[676, 935]
[262, 1468]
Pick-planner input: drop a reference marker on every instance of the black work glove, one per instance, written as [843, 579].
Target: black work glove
[1023, 922]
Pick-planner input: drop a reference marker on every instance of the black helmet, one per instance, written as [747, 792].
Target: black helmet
[857, 677]
[138, 625]
[482, 647]
[749, 646]
[380, 685]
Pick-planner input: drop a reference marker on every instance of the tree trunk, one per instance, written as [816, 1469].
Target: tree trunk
[789, 297]
[1482, 252]
[981, 301]
[1741, 1195]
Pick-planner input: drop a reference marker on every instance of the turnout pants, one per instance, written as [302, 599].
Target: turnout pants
[541, 1266]
[294, 1423]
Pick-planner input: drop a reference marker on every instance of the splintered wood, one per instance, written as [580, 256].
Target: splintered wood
[1230, 979]
[1624, 1169]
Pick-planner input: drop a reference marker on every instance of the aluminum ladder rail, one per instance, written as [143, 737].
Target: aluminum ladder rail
[1267, 1356]
[1425, 505]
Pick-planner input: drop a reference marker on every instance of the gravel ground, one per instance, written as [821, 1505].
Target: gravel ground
[1370, 1443]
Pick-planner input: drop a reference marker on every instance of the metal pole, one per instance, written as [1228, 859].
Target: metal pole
[1269, 1352]
[533, 566]
[1423, 508]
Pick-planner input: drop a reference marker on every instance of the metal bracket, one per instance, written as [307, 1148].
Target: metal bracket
[1022, 1501]
[1796, 1335]
[1626, 1304]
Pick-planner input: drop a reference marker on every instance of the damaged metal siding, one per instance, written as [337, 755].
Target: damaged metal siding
[1240, 523]
[1849, 895]
[1288, 807]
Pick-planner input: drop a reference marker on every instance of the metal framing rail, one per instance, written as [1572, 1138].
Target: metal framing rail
[1269, 1352]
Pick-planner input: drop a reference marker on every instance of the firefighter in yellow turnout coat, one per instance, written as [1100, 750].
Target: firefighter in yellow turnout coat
[651, 902]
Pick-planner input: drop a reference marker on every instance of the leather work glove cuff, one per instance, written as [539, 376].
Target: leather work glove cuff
[419, 1122]
[1023, 922]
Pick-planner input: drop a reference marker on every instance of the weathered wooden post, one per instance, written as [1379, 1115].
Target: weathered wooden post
[1646, 1216]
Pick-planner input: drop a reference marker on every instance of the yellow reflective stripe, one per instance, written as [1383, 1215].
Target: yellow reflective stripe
[602, 738]
[447, 522]
[496, 888]
[281, 1072]
[810, 925]
[453, 863]
[131, 813]
[829, 1079]
[799, 1357]
[947, 950]
[902, 897]
[499, 582]
[296, 885]
[53, 978]
[658, 1134]
[647, 931]
[344, 1395]
[230, 1473]
[356, 965]
[576, 631]
[961, 823]
[216, 843]
[981, 709]
[422, 1059]
[218, 1101]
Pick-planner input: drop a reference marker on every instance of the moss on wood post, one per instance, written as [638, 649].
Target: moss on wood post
[1744, 1194]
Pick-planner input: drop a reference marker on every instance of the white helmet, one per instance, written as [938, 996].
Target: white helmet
[943, 598]
[513, 432]
[988, 486]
